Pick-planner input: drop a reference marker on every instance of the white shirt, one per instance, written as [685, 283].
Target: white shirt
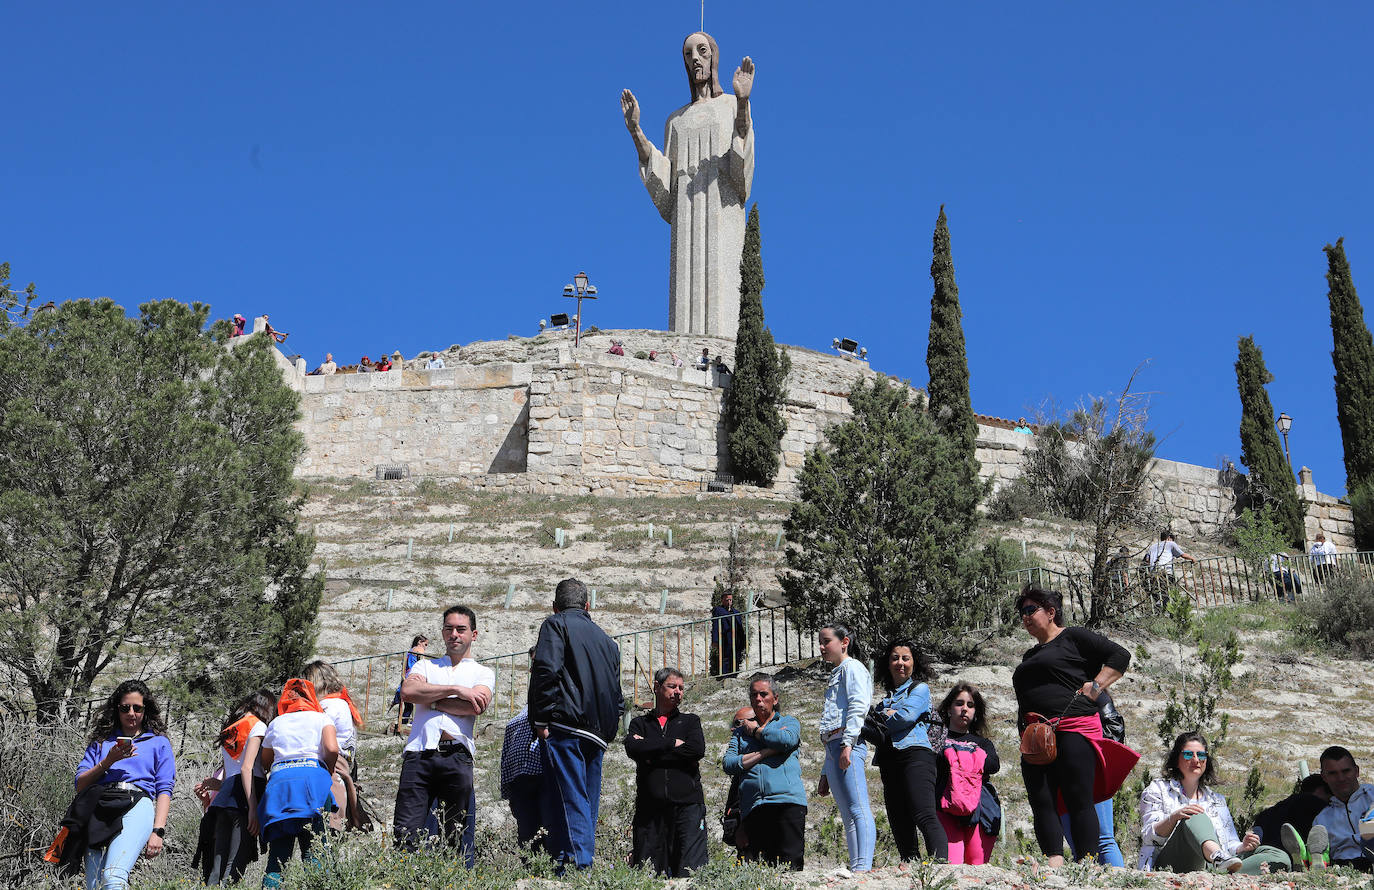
[429, 725]
[337, 710]
[1320, 551]
[1162, 553]
[1162, 798]
[435, 363]
[1277, 560]
[328, 368]
[1342, 821]
[233, 767]
[297, 734]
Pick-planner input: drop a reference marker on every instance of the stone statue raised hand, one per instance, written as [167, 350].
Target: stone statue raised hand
[700, 183]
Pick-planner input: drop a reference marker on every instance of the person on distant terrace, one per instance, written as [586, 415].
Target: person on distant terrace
[383, 363]
[435, 363]
[1323, 557]
[239, 324]
[670, 809]
[365, 365]
[273, 332]
[729, 637]
[327, 368]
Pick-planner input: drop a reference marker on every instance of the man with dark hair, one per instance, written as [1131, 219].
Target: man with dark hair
[575, 705]
[436, 765]
[670, 809]
[772, 798]
[1350, 801]
[729, 638]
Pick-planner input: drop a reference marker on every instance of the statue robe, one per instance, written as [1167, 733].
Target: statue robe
[700, 183]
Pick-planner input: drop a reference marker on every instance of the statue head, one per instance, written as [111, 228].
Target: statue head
[701, 58]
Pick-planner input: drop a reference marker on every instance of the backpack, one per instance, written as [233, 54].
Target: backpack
[964, 790]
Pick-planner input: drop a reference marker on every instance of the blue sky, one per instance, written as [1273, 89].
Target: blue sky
[1123, 183]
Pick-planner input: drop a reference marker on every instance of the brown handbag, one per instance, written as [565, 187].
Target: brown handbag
[1038, 744]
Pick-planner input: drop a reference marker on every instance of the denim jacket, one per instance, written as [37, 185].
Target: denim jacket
[847, 697]
[909, 701]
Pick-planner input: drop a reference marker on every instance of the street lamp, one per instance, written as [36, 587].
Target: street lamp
[1285, 424]
[579, 291]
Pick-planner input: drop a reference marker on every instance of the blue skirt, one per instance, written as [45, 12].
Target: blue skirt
[297, 793]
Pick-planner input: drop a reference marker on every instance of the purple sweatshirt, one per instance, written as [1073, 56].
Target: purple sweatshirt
[152, 768]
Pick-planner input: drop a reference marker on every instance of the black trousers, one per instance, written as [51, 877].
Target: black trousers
[1071, 775]
[908, 776]
[433, 775]
[671, 837]
[777, 834]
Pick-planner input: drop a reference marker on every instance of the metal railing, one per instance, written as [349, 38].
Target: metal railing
[772, 637]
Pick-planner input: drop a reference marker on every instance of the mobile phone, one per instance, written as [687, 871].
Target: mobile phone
[124, 738]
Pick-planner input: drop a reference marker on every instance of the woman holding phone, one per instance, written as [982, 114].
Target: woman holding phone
[130, 756]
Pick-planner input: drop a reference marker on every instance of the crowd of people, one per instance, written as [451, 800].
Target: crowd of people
[288, 771]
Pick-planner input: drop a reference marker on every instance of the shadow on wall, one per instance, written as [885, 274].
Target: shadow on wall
[513, 455]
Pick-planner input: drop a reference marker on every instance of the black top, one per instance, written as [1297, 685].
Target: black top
[575, 678]
[666, 771]
[1050, 673]
[1300, 810]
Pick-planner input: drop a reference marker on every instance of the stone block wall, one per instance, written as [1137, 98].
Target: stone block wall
[454, 421]
[582, 421]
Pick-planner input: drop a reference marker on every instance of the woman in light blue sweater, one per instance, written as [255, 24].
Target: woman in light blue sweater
[847, 697]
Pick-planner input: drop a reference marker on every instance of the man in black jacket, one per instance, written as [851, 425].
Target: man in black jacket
[670, 810]
[575, 705]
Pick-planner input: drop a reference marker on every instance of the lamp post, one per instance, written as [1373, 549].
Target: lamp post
[1285, 424]
[579, 291]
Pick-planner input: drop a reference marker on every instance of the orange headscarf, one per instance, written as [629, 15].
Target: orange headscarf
[352, 709]
[298, 695]
[235, 735]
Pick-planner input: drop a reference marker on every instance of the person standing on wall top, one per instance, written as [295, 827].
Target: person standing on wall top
[448, 694]
[575, 705]
[670, 809]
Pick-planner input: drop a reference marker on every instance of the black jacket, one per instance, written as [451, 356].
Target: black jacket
[575, 680]
[93, 819]
[666, 771]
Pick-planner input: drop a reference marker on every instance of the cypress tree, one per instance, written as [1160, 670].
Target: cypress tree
[1271, 477]
[1353, 358]
[950, 404]
[753, 403]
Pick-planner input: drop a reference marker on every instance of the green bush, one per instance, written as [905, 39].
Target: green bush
[1017, 500]
[1343, 614]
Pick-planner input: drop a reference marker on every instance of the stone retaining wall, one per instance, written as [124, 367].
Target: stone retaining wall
[585, 422]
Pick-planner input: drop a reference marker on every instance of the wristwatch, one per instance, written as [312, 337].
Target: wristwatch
[1097, 687]
[160, 832]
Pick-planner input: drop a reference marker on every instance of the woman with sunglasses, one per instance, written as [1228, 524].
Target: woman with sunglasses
[1186, 826]
[130, 760]
[1059, 680]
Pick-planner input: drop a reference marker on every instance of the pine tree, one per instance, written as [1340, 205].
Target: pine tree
[1271, 479]
[1353, 358]
[883, 534]
[946, 359]
[753, 403]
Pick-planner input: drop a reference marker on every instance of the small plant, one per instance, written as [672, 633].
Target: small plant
[1343, 614]
[1250, 801]
[926, 875]
[1195, 691]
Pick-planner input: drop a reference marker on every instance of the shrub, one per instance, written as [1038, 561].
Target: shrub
[1017, 500]
[1343, 615]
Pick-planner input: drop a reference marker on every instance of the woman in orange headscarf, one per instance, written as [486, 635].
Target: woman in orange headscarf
[339, 707]
[230, 843]
[301, 749]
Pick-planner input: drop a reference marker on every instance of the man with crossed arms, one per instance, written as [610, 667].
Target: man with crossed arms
[448, 694]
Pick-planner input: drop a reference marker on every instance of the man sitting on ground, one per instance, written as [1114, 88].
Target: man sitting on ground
[1350, 801]
[1289, 822]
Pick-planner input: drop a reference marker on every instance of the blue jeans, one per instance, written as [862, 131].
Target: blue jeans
[1108, 853]
[572, 770]
[108, 869]
[850, 788]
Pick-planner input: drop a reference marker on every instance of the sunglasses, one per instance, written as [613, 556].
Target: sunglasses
[137, 709]
[1027, 611]
[1189, 755]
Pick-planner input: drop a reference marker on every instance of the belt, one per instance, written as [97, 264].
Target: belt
[448, 747]
[295, 762]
